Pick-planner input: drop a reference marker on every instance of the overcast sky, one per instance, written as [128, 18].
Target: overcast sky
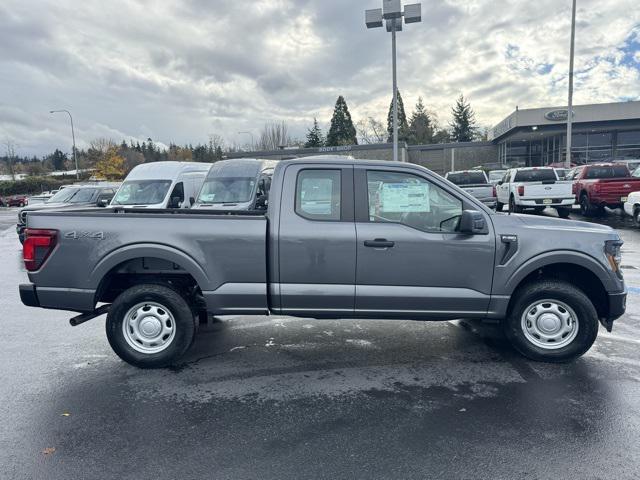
[177, 71]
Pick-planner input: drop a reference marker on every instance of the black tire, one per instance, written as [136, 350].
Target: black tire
[563, 212]
[636, 217]
[562, 292]
[499, 206]
[513, 207]
[586, 208]
[169, 300]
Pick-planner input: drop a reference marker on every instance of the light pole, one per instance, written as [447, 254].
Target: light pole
[570, 102]
[73, 137]
[252, 142]
[391, 12]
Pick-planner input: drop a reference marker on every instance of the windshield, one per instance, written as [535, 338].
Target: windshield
[227, 190]
[607, 172]
[142, 192]
[73, 195]
[496, 175]
[537, 175]
[467, 178]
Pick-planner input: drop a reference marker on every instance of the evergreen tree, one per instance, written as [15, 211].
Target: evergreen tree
[58, 160]
[342, 130]
[403, 126]
[314, 136]
[420, 125]
[463, 127]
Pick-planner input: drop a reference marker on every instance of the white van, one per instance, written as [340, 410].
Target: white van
[238, 184]
[161, 185]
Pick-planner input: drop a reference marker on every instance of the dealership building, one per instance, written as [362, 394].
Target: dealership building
[527, 137]
[538, 136]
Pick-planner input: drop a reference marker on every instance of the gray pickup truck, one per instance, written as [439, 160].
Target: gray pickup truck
[340, 239]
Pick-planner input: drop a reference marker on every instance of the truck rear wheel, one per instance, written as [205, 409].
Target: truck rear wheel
[636, 217]
[150, 326]
[551, 321]
[563, 212]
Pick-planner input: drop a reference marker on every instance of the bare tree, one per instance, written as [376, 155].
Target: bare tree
[10, 148]
[274, 135]
[370, 131]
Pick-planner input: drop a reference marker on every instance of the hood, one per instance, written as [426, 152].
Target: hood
[549, 223]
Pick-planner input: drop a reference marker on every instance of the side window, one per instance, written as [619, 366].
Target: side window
[506, 177]
[177, 196]
[413, 201]
[318, 194]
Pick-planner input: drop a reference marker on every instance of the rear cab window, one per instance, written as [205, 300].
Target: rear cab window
[467, 178]
[536, 175]
[605, 171]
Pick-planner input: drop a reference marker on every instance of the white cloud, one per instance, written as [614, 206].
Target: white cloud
[177, 71]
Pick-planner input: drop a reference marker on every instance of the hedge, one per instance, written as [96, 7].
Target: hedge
[31, 185]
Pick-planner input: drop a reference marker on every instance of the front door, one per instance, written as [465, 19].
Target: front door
[412, 262]
[317, 241]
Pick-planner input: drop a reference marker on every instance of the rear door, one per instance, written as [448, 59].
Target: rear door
[412, 263]
[317, 241]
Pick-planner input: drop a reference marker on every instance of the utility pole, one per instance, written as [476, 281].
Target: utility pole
[570, 102]
[73, 137]
[391, 13]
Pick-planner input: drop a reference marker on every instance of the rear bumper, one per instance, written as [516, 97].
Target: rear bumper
[539, 202]
[28, 295]
[617, 199]
[72, 299]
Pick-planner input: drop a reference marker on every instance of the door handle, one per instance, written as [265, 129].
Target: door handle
[379, 243]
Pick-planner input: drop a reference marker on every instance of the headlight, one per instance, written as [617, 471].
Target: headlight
[612, 250]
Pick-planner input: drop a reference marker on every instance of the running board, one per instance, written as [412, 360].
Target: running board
[75, 321]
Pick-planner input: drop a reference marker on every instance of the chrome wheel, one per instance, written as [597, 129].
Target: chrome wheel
[149, 327]
[549, 324]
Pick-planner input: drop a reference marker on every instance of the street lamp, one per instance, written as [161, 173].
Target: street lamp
[252, 142]
[391, 12]
[570, 102]
[73, 137]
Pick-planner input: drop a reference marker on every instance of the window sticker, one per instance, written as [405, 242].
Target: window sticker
[404, 197]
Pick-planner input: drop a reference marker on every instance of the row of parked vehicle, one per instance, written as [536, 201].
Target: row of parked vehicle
[241, 184]
[593, 187]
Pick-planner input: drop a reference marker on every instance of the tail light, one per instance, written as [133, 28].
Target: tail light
[521, 190]
[494, 191]
[38, 245]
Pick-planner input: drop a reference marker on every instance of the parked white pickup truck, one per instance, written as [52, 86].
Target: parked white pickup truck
[534, 188]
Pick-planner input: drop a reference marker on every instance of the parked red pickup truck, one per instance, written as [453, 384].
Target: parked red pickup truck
[602, 185]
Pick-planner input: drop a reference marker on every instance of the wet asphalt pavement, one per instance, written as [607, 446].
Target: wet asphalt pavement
[276, 397]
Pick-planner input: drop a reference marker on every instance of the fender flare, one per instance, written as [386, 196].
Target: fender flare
[155, 250]
[560, 256]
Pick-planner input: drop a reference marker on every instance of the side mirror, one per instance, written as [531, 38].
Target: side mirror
[473, 222]
[192, 201]
[102, 202]
[500, 182]
[174, 202]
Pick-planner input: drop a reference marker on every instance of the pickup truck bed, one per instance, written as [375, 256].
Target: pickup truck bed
[340, 239]
[151, 242]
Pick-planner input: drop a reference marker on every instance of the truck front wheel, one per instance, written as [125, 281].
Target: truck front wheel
[150, 326]
[551, 321]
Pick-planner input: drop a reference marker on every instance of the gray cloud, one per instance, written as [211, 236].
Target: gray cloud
[177, 71]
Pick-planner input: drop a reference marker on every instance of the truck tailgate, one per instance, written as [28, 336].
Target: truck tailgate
[479, 191]
[547, 190]
[621, 187]
[225, 254]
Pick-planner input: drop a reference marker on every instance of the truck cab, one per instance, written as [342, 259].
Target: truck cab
[161, 185]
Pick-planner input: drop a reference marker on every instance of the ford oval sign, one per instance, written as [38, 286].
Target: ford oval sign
[557, 115]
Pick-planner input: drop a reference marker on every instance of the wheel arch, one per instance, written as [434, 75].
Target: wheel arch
[171, 262]
[576, 268]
